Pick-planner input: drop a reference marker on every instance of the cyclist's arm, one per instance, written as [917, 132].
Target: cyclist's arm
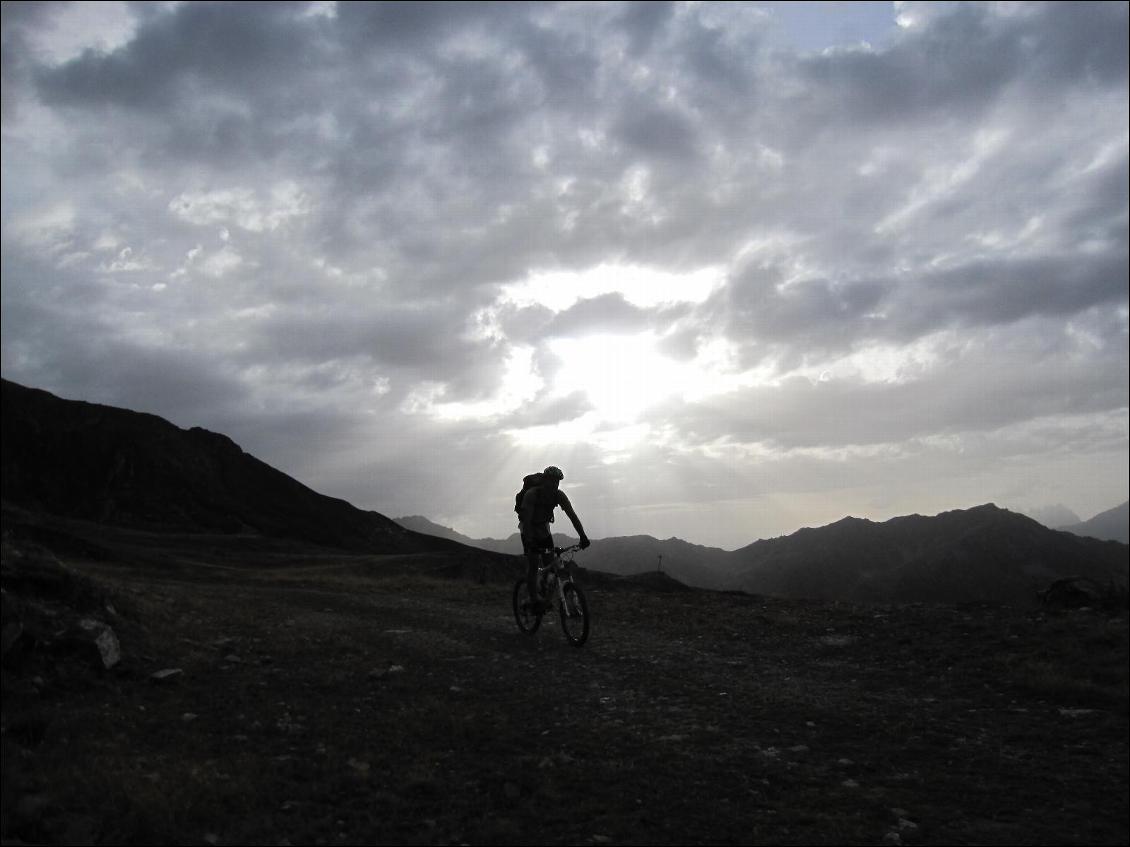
[567, 507]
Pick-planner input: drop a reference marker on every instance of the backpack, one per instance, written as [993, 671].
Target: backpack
[531, 481]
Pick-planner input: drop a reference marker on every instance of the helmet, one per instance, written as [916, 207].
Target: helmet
[554, 472]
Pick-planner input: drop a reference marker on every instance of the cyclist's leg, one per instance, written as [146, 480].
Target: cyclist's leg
[532, 548]
[537, 544]
[533, 557]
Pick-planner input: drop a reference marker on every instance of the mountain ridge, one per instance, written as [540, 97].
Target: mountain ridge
[123, 468]
[1111, 525]
[984, 554]
[132, 469]
[981, 554]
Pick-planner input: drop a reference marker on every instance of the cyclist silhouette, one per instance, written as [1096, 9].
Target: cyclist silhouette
[535, 514]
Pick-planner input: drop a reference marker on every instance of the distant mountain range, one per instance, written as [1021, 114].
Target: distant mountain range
[121, 468]
[1111, 525]
[693, 564]
[984, 554]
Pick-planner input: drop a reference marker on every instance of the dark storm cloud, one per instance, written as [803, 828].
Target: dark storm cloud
[409, 343]
[398, 335]
[79, 357]
[413, 28]
[979, 391]
[999, 291]
[549, 412]
[966, 59]
[653, 131]
[813, 315]
[237, 48]
[819, 317]
[16, 62]
[643, 23]
[606, 313]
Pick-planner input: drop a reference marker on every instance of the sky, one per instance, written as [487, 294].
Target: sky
[736, 268]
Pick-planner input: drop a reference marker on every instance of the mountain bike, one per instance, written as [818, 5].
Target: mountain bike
[562, 594]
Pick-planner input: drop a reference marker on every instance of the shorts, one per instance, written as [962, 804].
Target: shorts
[536, 538]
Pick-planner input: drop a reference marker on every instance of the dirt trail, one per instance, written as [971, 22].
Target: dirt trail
[361, 704]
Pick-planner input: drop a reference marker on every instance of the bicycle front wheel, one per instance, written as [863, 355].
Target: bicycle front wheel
[526, 618]
[573, 610]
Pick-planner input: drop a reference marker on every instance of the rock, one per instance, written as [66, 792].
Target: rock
[1072, 593]
[103, 639]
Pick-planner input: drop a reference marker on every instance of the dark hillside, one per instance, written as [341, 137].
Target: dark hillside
[123, 468]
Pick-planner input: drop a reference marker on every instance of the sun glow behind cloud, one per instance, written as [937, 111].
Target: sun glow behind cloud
[621, 374]
[519, 386]
[624, 377]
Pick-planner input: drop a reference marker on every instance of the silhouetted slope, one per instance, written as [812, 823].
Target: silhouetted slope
[1111, 525]
[984, 554]
[692, 564]
[421, 524]
[125, 468]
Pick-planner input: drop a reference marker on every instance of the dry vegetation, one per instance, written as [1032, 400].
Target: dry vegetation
[347, 700]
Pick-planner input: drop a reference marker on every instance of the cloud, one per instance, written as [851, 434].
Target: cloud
[551, 412]
[355, 234]
[960, 383]
[606, 313]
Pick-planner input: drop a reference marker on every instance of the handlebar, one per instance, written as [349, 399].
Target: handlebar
[560, 551]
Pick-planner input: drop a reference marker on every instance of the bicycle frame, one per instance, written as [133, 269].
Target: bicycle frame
[550, 575]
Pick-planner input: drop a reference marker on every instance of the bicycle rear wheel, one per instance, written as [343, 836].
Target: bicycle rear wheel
[528, 621]
[574, 614]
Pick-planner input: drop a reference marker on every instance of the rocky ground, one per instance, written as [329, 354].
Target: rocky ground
[311, 698]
